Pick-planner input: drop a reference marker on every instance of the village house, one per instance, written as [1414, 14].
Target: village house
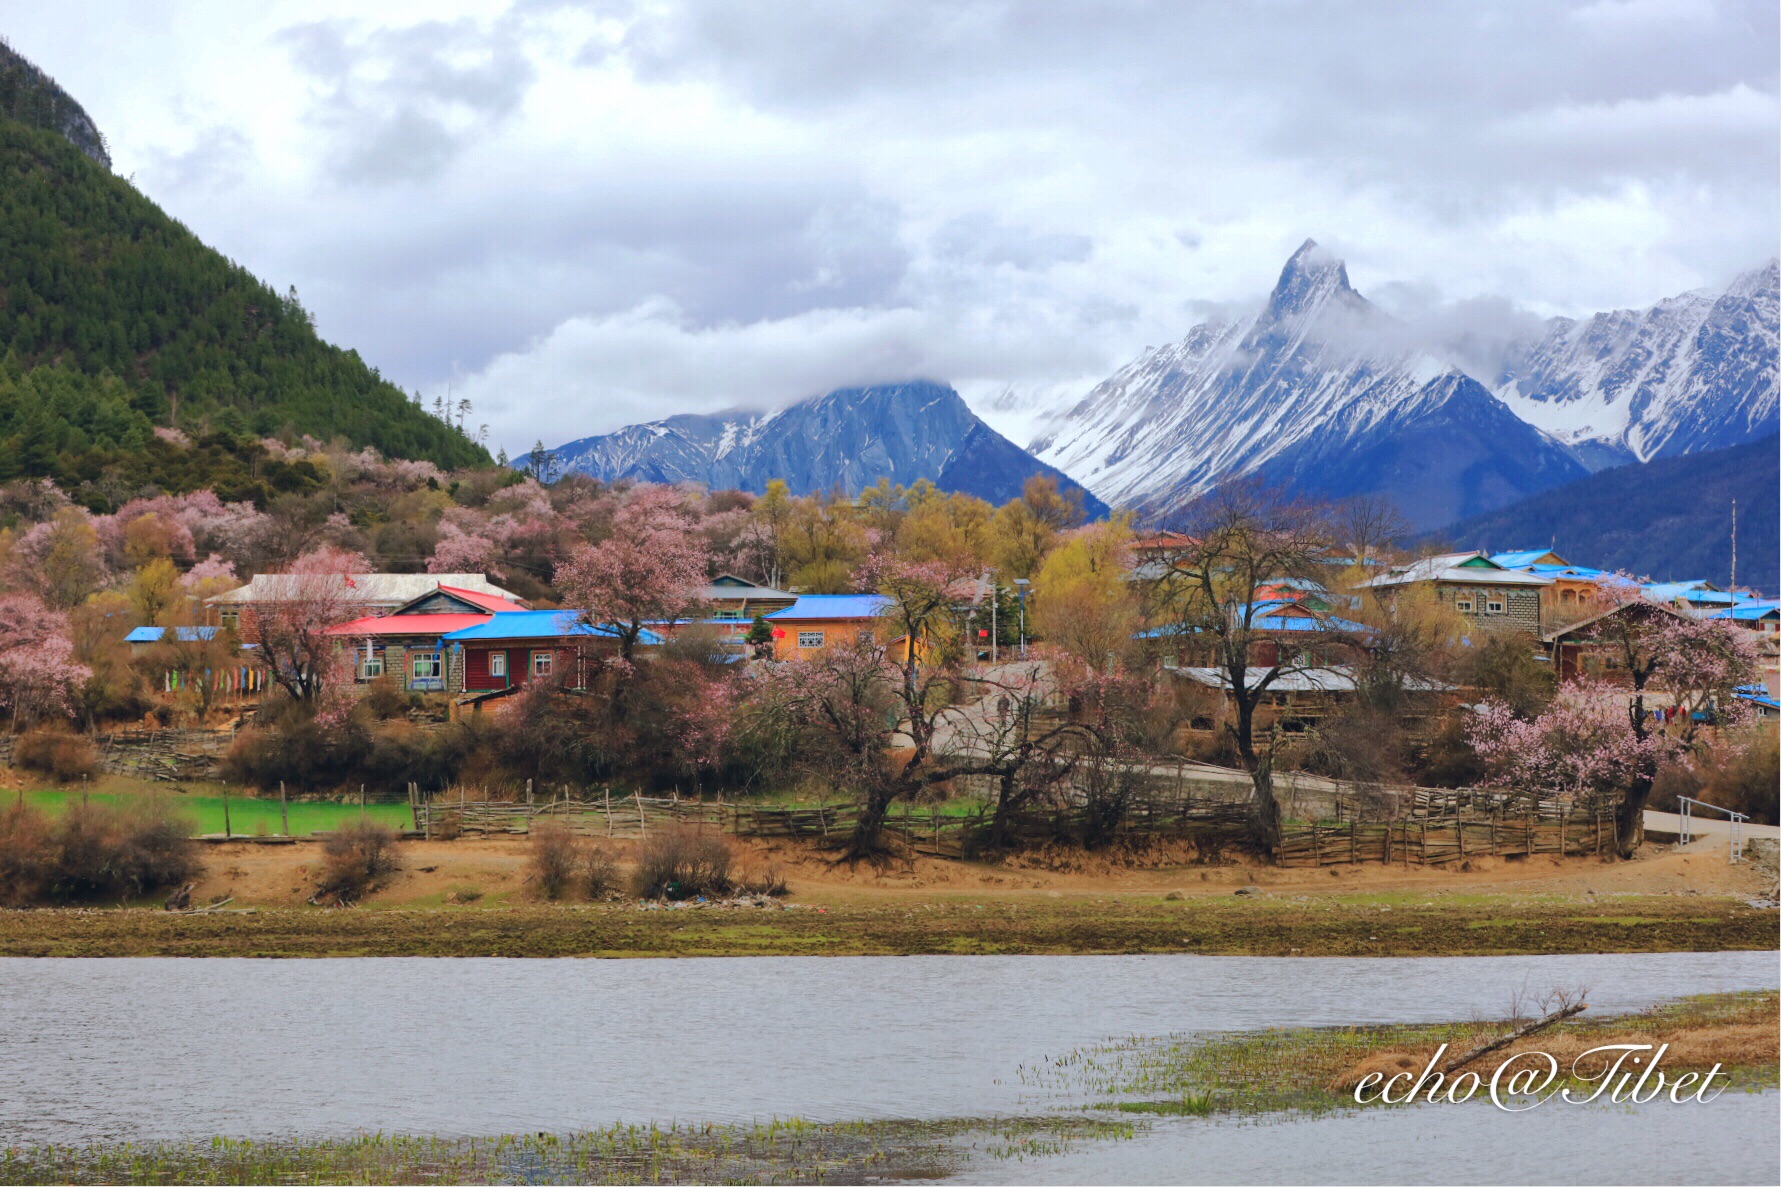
[1698, 599]
[1579, 649]
[1572, 585]
[816, 622]
[1292, 626]
[1296, 700]
[1764, 618]
[406, 645]
[1474, 586]
[504, 652]
[374, 593]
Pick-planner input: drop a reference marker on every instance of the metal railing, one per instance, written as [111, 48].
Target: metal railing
[1735, 825]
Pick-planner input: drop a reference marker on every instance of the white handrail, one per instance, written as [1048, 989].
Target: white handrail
[1736, 821]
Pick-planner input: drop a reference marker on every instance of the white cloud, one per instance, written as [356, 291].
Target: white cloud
[588, 213]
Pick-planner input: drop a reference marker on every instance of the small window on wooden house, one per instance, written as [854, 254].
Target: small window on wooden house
[497, 663]
[542, 661]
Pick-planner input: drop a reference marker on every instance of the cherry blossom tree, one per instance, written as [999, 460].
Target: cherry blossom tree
[651, 569]
[1578, 748]
[459, 551]
[60, 560]
[38, 671]
[1680, 671]
[290, 630]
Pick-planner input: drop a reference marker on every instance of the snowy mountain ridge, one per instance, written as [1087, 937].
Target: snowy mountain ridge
[1321, 373]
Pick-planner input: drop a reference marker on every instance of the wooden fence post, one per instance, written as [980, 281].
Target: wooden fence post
[528, 793]
[608, 811]
[361, 803]
[642, 824]
[284, 808]
[227, 831]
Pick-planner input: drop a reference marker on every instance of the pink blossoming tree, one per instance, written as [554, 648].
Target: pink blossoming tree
[651, 569]
[38, 671]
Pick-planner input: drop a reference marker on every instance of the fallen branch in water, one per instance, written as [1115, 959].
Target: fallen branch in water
[1453, 1065]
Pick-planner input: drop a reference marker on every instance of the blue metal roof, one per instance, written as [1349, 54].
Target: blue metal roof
[540, 624]
[1757, 694]
[183, 634]
[1566, 570]
[1520, 560]
[1751, 611]
[811, 607]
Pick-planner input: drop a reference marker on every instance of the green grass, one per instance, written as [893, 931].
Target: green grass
[778, 1151]
[246, 816]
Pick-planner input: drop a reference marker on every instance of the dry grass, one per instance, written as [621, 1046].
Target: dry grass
[354, 861]
[1744, 1034]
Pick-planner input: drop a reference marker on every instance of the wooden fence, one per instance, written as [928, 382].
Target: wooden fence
[926, 829]
[1437, 841]
[167, 755]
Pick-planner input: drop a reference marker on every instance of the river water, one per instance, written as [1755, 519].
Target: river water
[173, 1049]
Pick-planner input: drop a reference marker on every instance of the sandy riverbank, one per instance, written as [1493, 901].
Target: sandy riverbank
[470, 898]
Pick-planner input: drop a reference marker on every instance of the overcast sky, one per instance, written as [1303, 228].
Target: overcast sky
[582, 215]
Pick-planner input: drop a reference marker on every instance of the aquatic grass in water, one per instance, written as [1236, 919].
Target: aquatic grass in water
[1293, 1069]
[777, 1151]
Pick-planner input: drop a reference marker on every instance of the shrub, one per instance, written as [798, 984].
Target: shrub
[555, 851]
[770, 882]
[680, 863]
[62, 756]
[599, 874]
[93, 851]
[26, 855]
[354, 860]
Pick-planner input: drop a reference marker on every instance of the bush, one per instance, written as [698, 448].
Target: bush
[555, 852]
[93, 851]
[26, 856]
[354, 860]
[599, 874]
[681, 863]
[62, 756]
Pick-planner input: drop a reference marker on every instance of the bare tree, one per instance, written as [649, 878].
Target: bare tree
[1247, 541]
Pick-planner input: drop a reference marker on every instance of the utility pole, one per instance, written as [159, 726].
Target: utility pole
[992, 619]
[1020, 585]
[1734, 581]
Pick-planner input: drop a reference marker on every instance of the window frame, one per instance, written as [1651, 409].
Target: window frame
[1463, 603]
[805, 637]
[498, 664]
[371, 666]
[1496, 605]
[433, 658]
[549, 664]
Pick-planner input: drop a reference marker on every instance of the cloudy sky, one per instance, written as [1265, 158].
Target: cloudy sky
[586, 214]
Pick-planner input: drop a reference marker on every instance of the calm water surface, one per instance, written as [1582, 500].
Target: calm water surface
[164, 1049]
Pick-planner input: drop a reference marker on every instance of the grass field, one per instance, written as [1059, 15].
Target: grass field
[950, 924]
[246, 816]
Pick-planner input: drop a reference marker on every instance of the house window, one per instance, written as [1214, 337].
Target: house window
[541, 662]
[1494, 606]
[370, 667]
[426, 667]
[498, 663]
[1463, 603]
[809, 638]
[231, 616]
[729, 616]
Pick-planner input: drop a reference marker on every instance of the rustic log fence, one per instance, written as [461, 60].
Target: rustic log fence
[1436, 841]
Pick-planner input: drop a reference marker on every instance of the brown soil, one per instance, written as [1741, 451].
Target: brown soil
[281, 875]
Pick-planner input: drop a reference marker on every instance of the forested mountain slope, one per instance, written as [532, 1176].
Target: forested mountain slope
[1668, 519]
[115, 319]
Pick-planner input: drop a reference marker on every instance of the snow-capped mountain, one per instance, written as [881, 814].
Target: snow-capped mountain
[1321, 391]
[1692, 372]
[846, 440]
